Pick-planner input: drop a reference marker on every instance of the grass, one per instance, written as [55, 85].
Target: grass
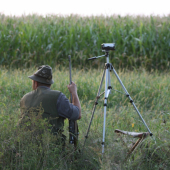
[32, 40]
[150, 92]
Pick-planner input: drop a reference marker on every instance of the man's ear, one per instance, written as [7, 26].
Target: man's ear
[35, 84]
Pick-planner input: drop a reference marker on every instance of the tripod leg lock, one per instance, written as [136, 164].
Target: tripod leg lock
[103, 143]
[110, 87]
[108, 66]
[96, 103]
[131, 101]
[105, 104]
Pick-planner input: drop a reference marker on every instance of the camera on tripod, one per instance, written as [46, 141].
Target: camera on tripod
[108, 46]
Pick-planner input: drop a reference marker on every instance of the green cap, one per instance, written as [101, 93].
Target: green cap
[43, 75]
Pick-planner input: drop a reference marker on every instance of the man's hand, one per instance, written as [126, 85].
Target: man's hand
[72, 88]
[75, 99]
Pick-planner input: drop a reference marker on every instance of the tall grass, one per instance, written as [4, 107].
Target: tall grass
[30, 40]
[150, 91]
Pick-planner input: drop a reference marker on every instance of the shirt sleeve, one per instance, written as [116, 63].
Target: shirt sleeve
[66, 109]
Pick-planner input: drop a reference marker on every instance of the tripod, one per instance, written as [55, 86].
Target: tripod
[106, 73]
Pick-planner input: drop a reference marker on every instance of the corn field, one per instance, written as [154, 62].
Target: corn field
[33, 40]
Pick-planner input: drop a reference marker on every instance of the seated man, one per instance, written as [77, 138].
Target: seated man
[56, 107]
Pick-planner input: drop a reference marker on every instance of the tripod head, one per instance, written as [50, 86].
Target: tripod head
[106, 47]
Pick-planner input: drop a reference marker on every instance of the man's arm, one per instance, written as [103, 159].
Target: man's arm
[75, 99]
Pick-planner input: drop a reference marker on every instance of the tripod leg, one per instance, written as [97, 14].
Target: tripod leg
[131, 101]
[107, 91]
[94, 107]
[109, 81]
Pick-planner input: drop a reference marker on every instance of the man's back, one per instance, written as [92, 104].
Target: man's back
[47, 99]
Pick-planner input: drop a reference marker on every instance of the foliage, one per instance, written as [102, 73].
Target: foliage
[27, 149]
[31, 40]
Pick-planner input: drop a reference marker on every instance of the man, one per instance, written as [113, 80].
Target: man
[56, 107]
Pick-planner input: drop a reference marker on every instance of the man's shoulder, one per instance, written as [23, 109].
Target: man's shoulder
[27, 95]
[54, 92]
[49, 93]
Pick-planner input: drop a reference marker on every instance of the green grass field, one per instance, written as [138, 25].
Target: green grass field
[150, 92]
[141, 59]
